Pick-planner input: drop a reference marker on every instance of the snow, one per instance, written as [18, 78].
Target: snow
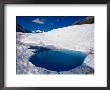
[37, 31]
[89, 60]
[76, 37]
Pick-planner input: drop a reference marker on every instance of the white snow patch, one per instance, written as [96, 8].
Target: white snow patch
[77, 37]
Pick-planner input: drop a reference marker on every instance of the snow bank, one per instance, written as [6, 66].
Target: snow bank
[77, 37]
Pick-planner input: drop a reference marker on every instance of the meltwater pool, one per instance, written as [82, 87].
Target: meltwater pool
[57, 60]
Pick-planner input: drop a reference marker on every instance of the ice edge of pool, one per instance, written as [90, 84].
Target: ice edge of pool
[61, 60]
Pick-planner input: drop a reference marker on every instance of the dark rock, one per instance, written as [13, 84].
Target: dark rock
[87, 20]
[20, 28]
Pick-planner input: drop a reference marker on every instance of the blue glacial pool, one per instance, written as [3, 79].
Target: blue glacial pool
[57, 60]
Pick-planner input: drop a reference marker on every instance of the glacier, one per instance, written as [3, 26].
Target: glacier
[75, 37]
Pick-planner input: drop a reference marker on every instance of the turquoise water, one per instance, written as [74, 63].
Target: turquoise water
[57, 60]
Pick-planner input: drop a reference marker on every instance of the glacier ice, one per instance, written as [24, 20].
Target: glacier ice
[76, 37]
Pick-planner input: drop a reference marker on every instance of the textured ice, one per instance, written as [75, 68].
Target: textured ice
[77, 37]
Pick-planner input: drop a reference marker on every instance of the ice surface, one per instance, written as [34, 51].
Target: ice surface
[76, 37]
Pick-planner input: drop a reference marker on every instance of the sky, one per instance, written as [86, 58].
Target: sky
[46, 23]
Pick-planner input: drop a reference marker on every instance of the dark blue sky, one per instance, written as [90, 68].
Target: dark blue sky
[46, 23]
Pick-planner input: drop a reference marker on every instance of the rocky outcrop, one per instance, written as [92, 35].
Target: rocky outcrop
[20, 28]
[87, 20]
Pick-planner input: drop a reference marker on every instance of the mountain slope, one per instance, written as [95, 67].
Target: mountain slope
[19, 28]
[87, 20]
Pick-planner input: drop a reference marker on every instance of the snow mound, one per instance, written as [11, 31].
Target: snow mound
[76, 37]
